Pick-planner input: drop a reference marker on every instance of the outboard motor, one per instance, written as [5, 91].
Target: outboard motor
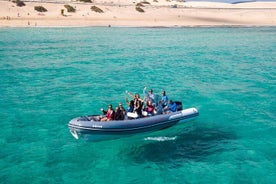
[178, 106]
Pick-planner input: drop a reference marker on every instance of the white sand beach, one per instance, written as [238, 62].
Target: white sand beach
[157, 13]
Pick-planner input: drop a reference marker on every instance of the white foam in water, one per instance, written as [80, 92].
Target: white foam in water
[160, 138]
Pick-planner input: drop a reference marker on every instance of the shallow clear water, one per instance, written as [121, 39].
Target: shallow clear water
[51, 75]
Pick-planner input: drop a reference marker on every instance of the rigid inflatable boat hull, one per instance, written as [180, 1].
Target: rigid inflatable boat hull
[86, 129]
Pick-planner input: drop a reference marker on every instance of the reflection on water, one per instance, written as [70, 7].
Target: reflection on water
[195, 145]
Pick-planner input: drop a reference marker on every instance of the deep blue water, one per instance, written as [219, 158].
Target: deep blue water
[51, 75]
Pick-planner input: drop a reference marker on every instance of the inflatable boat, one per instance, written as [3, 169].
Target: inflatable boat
[92, 129]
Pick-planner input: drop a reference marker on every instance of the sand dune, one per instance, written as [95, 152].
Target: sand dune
[123, 13]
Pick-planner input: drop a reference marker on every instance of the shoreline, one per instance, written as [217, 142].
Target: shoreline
[122, 13]
[150, 27]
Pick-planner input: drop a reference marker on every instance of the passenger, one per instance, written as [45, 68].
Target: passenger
[109, 114]
[130, 106]
[121, 107]
[159, 108]
[133, 96]
[165, 99]
[150, 108]
[171, 107]
[149, 96]
[119, 114]
[138, 105]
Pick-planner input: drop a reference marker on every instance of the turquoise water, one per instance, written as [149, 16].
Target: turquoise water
[51, 75]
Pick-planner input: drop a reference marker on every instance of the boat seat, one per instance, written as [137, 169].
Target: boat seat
[132, 115]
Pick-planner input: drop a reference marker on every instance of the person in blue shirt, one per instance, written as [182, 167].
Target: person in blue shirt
[130, 106]
[171, 107]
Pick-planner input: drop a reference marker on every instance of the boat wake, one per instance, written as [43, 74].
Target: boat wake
[160, 139]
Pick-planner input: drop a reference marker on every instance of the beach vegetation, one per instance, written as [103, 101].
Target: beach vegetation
[40, 9]
[140, 5]
[96, 9]
[19, 3]
[86, 1]
[174, 6]
[70, 8]
[145, 2]
[139, 9]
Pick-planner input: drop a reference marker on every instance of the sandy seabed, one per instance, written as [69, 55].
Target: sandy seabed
[157, 13]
